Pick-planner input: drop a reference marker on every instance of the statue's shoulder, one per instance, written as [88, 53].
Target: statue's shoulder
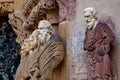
[56, 39]
[102, 26]
[102, 23]
[108, 23]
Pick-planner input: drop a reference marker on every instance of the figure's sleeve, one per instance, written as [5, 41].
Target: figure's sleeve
[57, 57]
[88, 43]
[54, 62]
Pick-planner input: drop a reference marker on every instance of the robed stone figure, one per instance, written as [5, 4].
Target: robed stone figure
[41, 53]
[98, 41]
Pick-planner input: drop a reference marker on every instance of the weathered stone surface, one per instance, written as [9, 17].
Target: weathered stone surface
[6, 1]
[16, 20]
[62, 4]
[71, 9]
[41, 55]
[6, 7]
[63, 30]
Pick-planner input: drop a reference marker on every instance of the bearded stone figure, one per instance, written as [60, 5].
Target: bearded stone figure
[98, 39]
[41, 53]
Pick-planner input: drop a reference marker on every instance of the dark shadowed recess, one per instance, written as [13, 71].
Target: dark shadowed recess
[9, 58]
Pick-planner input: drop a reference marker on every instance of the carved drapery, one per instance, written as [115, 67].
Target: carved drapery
[41, 58]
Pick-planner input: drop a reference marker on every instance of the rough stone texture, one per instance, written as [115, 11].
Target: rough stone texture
[16, 20]
[77, 55]
[71, 5]
[77, 30]
[62, 9]
[28, 5]
[6, 7]
[6, 1]
[63, 30]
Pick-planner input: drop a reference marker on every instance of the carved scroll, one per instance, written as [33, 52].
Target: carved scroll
[62, 9]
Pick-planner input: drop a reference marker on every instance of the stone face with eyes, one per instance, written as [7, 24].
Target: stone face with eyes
[90, 17]
[44, 31]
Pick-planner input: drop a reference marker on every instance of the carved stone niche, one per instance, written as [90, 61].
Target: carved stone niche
[6, 6]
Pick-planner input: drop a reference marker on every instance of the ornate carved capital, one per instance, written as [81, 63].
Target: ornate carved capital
[6, 6]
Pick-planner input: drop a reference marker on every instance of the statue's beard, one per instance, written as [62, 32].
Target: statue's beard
[90, 24]
[42, 39]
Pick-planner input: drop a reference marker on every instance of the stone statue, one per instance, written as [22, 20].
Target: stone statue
[41, 53]
[98, 40]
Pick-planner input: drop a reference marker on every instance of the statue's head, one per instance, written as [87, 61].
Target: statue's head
[25, 47]
[90, 16]
[44, 31]
[30, 42]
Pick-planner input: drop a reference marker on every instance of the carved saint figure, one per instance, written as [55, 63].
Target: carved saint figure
[97, 42]
[41, 54]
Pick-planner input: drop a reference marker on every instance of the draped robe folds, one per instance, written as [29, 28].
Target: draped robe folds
[97, 42]
[43, 60]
